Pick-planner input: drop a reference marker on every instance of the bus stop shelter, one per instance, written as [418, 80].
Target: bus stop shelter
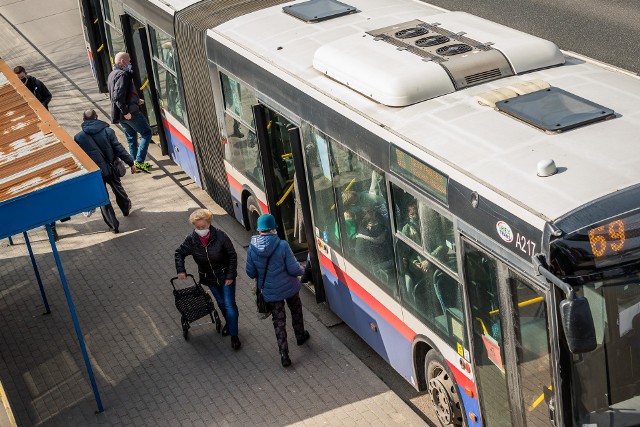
[44, 177]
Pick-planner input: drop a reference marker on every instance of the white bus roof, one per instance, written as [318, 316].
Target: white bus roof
[489, 147]
[174, 5]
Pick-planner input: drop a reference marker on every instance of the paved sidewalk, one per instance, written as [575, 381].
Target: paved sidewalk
[146, 372]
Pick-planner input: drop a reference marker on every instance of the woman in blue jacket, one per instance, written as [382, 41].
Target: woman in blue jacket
[268, 252]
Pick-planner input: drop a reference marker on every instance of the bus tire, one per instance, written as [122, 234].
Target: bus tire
[253, 212]
[443, 390]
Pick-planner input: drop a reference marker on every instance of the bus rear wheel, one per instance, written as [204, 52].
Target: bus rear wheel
[443, 391]
[253, 212]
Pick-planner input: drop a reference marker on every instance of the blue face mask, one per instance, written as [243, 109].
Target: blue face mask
[129, 68]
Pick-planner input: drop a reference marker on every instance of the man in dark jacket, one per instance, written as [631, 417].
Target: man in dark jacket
[125, 109]
[37, 88]
[101, 144]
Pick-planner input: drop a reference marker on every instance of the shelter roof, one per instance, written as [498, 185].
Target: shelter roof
[44, 174]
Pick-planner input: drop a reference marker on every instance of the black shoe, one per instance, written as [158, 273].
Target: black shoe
[225, 330]
[304, 338]
[116, 230]
[305, 278]
[284, 358]
[235, 342]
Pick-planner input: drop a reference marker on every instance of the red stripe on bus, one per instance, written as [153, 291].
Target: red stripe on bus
[234, 183]
[368, 299]
[237, 185]
[462, 380]
[174, 131]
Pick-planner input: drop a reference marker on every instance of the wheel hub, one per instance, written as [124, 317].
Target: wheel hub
[441, 400]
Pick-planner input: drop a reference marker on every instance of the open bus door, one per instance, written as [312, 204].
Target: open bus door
[511, 347]
[283, 167]
[96, 41]
[136, 41]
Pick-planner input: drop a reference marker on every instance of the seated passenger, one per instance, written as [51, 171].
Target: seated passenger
[373, 248]
[349, 230]
[412, 228]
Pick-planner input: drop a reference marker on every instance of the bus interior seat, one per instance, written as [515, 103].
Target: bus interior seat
[448, 294]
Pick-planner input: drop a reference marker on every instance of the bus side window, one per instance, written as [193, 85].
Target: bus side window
[364, 217]
[438, 234]
[407, 214]
[431, 294]
[321, 187]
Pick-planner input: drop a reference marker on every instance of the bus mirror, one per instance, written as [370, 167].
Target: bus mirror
[577, 323]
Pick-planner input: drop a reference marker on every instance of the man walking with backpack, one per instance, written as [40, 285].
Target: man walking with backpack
[125, 109]
[101, 144]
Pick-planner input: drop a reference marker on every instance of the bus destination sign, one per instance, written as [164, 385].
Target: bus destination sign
[420, 174]
[614, 238]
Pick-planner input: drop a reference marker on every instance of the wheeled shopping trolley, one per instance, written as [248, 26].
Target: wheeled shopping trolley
[194, 303]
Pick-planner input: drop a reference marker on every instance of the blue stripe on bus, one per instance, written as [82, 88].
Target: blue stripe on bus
[390, 344]
[184, 157]
[360, 316]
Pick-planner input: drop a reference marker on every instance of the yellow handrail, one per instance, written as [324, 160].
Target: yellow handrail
[539, 400]
[521, 304]
[286, 193]
[484, 328]
[344, 191]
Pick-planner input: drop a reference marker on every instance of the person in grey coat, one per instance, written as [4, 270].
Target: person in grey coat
[271, 259]
[100, 143]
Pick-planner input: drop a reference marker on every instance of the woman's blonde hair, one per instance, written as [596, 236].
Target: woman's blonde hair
[199, 214]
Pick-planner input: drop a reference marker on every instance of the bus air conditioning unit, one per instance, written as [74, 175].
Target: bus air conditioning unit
[413, 61]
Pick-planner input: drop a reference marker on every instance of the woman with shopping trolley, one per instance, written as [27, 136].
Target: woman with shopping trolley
[217, 262]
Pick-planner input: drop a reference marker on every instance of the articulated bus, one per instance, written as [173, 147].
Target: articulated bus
[468, 194]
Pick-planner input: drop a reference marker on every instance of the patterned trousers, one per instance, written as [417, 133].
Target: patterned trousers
[279, 318]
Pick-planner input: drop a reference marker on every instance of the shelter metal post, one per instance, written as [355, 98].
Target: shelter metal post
[76, 324]
[10, 241]
[35, 270]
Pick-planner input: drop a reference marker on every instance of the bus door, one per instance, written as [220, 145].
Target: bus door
[282, 160]
[135, 39]
[510, 339]
[279, 172]
[96, 42]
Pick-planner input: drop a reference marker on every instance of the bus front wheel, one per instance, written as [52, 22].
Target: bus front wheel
[443, 391]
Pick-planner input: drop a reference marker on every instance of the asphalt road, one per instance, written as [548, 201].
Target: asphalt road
[608, 31]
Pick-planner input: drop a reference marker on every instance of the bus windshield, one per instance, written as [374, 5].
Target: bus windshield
[606, 381]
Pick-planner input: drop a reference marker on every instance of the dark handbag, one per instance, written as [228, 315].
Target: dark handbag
[118, 167]
[262, 306]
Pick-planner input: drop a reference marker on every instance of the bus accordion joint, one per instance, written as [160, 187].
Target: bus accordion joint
[575, 313]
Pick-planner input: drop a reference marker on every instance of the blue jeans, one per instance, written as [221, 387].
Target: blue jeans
[226, 298]
[137, 125]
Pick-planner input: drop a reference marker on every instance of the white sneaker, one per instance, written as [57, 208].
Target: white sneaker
[88, 214]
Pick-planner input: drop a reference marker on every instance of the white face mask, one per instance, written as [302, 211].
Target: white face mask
[202, 233]
[129, 68]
